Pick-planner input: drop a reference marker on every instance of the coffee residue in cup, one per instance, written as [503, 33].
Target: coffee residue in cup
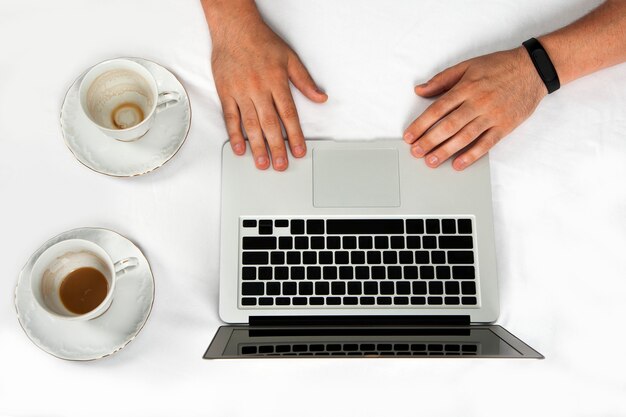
[83, 290]
[127, 115]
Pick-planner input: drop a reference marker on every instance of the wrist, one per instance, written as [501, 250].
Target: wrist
[226, 17]
[528, 73]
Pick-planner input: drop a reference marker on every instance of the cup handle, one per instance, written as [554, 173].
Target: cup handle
[124, 266]
[167, 99]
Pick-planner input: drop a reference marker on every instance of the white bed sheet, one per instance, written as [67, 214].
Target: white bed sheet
[559, 187]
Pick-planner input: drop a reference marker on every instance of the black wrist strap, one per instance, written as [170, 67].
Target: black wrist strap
[543, 64]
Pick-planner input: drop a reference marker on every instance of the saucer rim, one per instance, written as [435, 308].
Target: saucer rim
[81, 229]
[139, 61]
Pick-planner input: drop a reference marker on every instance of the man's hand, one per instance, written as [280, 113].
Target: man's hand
[252, 68]
[483, 99]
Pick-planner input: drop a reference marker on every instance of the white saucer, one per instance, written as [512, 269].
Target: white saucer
[104, 335]
[108, 156]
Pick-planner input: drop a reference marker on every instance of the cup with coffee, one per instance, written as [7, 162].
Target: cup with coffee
[122, 99]
[75, 279]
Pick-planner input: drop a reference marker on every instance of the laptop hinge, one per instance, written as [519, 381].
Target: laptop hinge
[359, 320]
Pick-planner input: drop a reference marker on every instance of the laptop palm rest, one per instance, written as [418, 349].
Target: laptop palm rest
[356, 178]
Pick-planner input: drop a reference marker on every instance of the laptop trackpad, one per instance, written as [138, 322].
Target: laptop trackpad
[356, 178]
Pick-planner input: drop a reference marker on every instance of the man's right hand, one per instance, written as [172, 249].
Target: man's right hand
[252, 68]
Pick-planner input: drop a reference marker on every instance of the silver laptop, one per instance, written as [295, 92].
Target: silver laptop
[354, 240]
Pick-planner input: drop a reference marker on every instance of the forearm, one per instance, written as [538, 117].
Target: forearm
[596, 41]
[222, 15]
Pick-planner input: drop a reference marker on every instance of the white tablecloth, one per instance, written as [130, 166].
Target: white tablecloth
[559, 188]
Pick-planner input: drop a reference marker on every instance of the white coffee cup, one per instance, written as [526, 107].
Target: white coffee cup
[121, 98]
[65, 257]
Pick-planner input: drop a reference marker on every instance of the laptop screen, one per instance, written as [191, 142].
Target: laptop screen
[371, 342]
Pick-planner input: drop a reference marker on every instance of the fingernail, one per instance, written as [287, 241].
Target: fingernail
[432, 160]
[280, 161]
[408, 137]
[319, 90]
[238, 148]
[299, 150]
[417, 151]
[423, 85]
[261, 160]
[460, 163]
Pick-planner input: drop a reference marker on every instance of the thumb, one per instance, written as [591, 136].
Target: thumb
[442, 82]
[301, 78]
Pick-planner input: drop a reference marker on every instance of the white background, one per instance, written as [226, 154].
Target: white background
[559, 187]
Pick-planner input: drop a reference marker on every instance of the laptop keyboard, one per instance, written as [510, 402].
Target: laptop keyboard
[361, 349]
[358, 262]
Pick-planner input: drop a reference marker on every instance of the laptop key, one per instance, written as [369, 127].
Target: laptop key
[370, 288]
[381, 242]
[410, 272]
[413, 242]
[277, 258]
[299, 301]
[429, 242]
[438, 257]
[316, 301]
[333, 242]
[403, 288]
[463, 272]
[401, 300]
[374, 257]
[394, 272]
[435, 301]
[281, 223]
[283, 301]
[451, 301]
[350, 301]
[419, 288]
[390, 257]
[367, 301]
[309, 257]
[313, 272]
[365, 226]
[248, 273]
[330, 272]
[448, 226]
[266, 273]
[285, 242]
[468, 288]
[305, 288]
[253, 288]
[293, 258]
[415, 226]
[387, 287]
[383, 300]
[318, 242]
[456, 242]
[248, 301]
[265, 227]
[301, 242]
[266, 301]
[365, 242]
[464, 226]
[397, 242]
[249, 223]
[432, 226]
[338, 288]
[422, 257]
[452, 288]
[468, 300]
[357, 257]
[349, 242]
[460, 257]
[281, 273]
[255, 258]
[435, 287]
[325, 258]
[258, 242]
[354, 288]
[379, 272]
[333, 301]
[443, 272]
[418, 301]
[405, 257]
[297, 272]
[297, 227]
[427, 272]
[346, 272]
[272, 288]
[289, 288]
[315, 227]
[322, 288]
[362, 272]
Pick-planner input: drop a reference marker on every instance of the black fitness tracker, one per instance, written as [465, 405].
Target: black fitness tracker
[543, 64]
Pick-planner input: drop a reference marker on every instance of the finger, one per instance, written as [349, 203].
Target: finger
[270, 124]
[255, 134]
[289, 116]
[233, 125]
[443, 130]
[460, 140]
[485, 142]
[440, 108]
[301, 78]
[443, 81]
